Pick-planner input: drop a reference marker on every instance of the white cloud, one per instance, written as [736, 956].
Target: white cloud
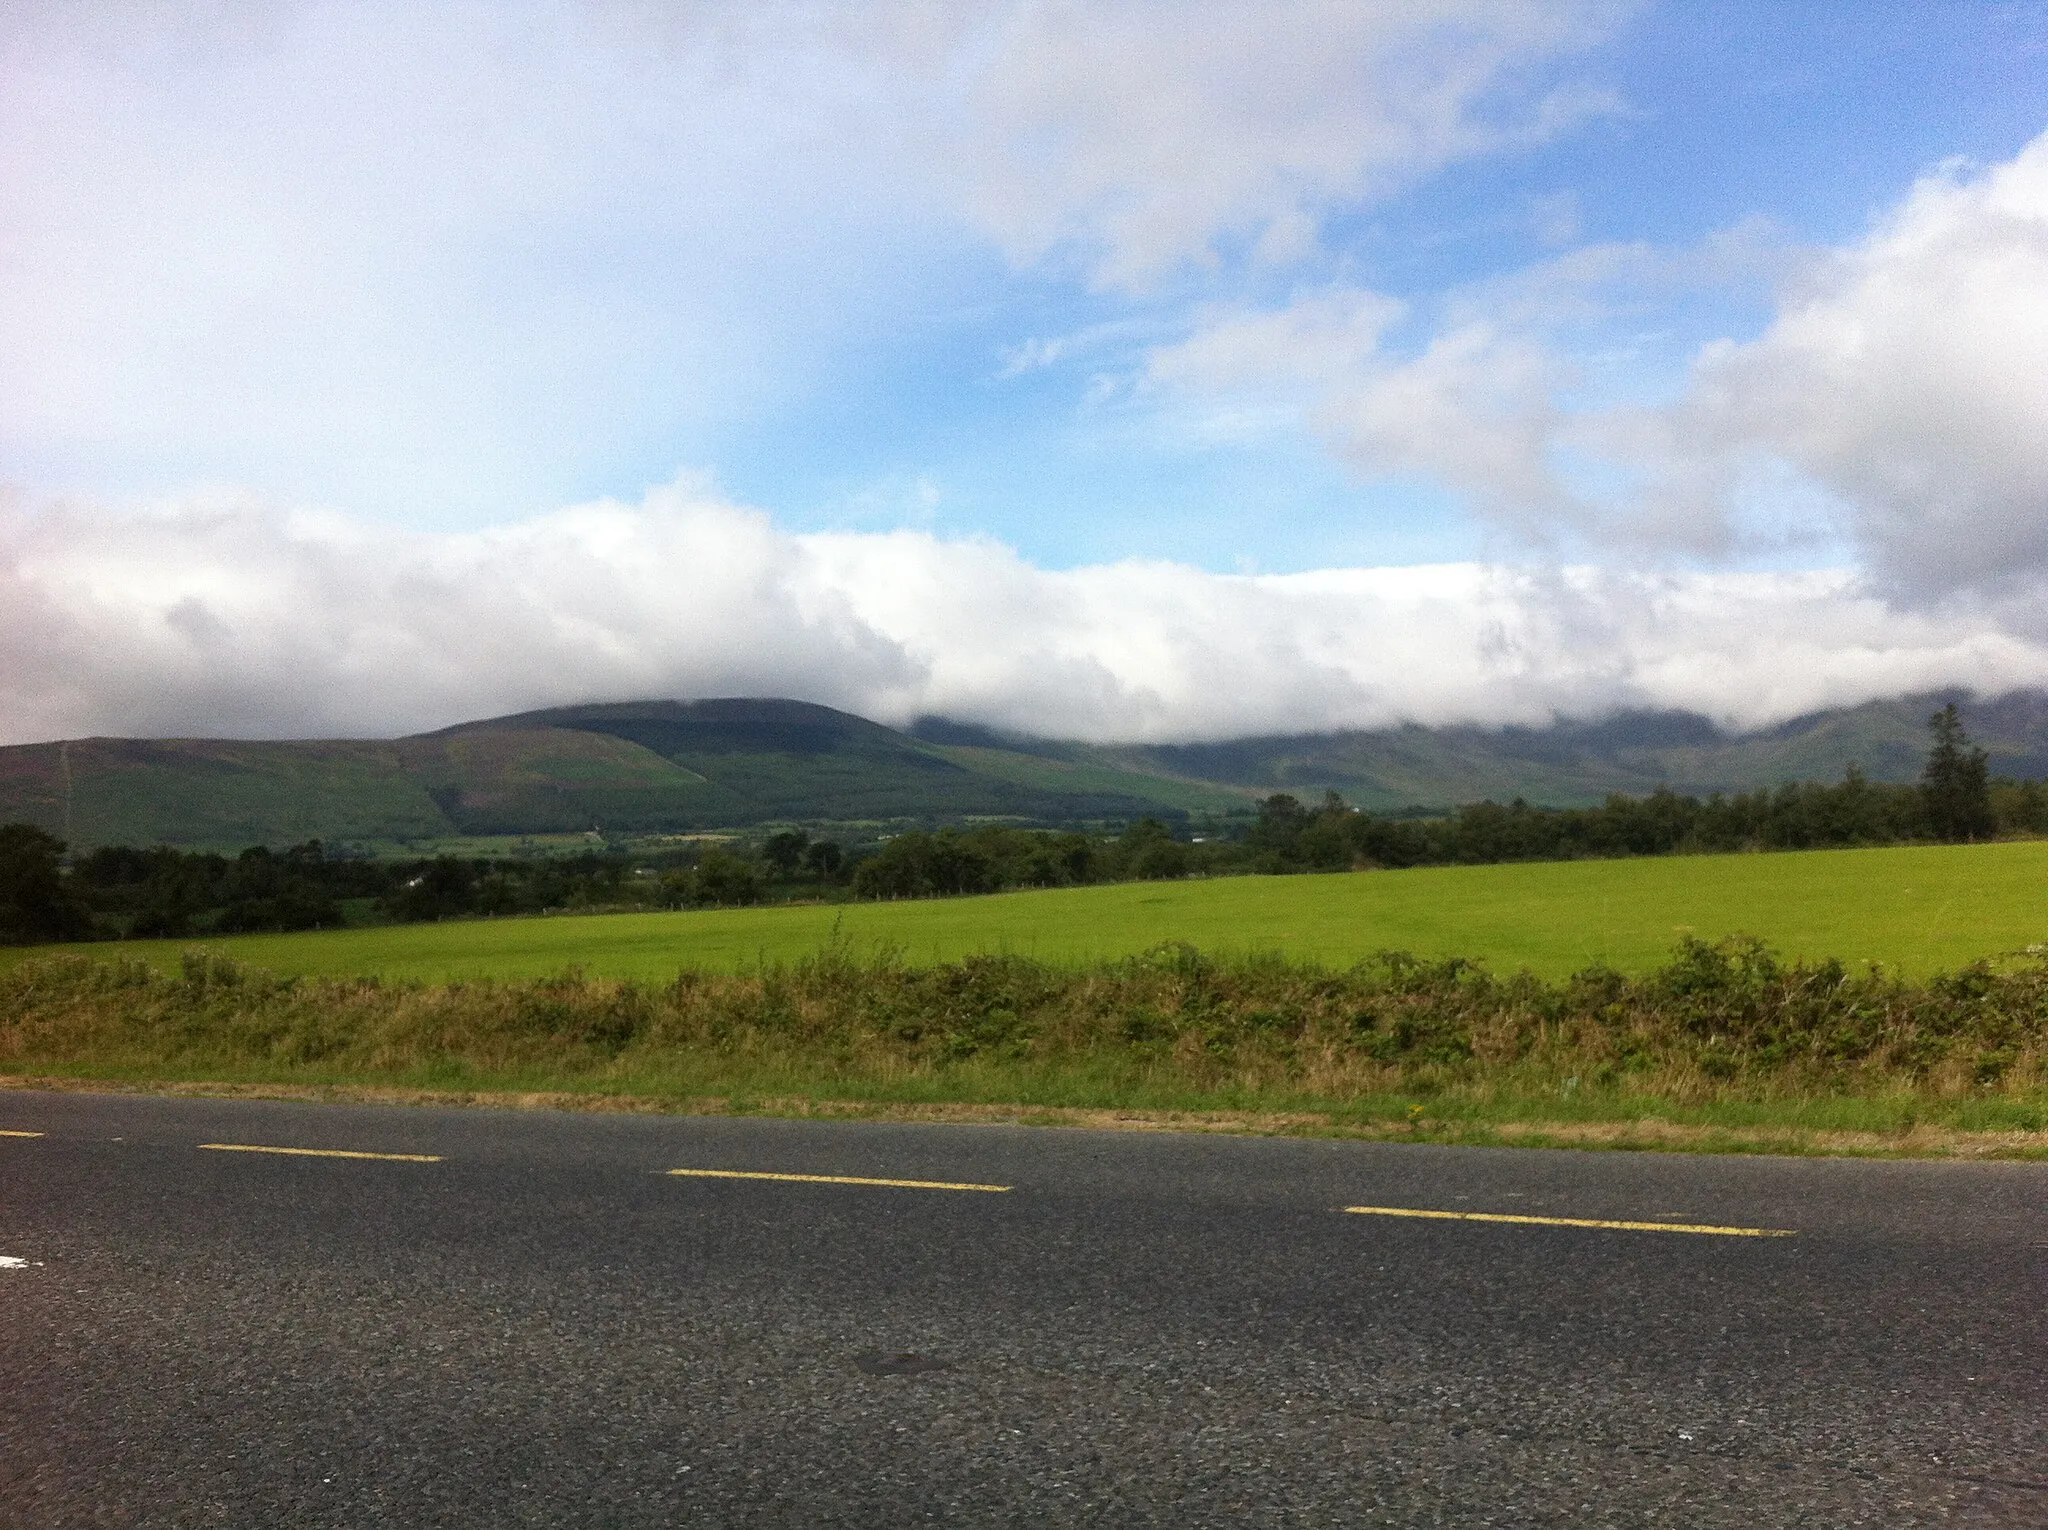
[458, 262]
[1475, 410]
[1893, 403]
[1324, 339]
[230, 616]
[1143, 134]
[1482, 401]
[450, 261]
[1907, 377]
[462, 262]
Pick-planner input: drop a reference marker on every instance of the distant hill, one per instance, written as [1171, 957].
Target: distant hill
[714, 764]
[677, 766]
[633, 767]
[1570, 763]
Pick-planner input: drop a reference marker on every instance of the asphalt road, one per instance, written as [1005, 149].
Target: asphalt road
[543, 1326]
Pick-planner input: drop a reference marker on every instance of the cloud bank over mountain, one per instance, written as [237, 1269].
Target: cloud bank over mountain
[228, 616]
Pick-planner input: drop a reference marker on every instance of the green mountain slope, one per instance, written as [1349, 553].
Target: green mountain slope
[658, 766]
[720, 763]
[524, 778]
[671, 766]
[1086, 775]
[219, 792]
[1570, 763]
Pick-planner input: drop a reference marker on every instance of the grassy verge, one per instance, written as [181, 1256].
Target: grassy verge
[1724, 1047]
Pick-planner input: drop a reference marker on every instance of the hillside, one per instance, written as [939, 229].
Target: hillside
[657, 766]
[675, 766]
[1571, 764]
[664, 765]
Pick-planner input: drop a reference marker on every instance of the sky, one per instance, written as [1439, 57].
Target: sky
[1115, 370]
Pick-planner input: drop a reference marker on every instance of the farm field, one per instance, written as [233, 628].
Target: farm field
[1916, 909]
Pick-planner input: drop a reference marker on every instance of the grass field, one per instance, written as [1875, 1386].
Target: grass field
[1919, 909]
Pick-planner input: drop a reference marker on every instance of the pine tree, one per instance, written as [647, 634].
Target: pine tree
[1956, 785]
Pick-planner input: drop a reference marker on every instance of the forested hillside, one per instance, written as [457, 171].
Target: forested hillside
[659, 766]
[664, 767]
[1574, 763]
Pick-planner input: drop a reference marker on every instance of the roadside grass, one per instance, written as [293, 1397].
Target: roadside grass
[1916, 909]
[1724, 1047]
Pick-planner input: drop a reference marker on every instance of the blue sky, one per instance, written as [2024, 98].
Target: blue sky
[1813, 116]
[1591, 296]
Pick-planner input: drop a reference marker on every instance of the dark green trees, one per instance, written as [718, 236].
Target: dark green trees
[1148, 852]
[35, 905]
[1956, 786]
[784, 852]
[725, 879]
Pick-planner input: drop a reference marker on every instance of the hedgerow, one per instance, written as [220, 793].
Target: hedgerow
[1726, 1021]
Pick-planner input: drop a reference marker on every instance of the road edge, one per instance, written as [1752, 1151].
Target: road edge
[1648, 1134]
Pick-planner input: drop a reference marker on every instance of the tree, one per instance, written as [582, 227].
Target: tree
[1148, 852]
[437, 889]
[919, 865]
[1275, 839]
[35, 905]
[724, 878]
[1956, 785]
[784, 851]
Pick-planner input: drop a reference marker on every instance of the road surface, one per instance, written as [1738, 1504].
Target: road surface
[515, 1319]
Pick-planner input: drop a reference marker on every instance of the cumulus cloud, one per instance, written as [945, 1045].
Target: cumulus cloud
[227, 615]
[1893, 403]
[1907, 377]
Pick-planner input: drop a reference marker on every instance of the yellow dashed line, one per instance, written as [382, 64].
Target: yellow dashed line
[834, 1179]
[247, 1147]
[1494, 1216]
[20, 1134]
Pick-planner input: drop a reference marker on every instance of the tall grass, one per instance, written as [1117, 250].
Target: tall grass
[1726, 1024]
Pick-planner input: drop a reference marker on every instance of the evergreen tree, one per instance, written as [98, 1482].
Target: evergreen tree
[1956, 785]
[35, 903]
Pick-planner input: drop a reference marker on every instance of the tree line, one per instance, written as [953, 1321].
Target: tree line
[122, 891]
[118, 890]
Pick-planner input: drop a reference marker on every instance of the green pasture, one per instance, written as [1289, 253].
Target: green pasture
[1918, 909]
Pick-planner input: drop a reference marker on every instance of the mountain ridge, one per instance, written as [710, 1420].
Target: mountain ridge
[672, 766]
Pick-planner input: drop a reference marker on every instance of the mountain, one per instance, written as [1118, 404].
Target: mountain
[678, 766]
[658, 765]
[655, 766]
[213, 792]
[1570, 763]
